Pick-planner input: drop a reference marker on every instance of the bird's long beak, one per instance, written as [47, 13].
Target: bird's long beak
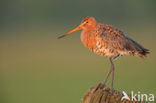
[74, 30]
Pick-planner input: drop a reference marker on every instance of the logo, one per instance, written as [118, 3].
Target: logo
[125, 96]
[137, 97]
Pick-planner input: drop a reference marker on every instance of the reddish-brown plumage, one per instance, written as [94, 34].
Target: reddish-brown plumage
[107, 41]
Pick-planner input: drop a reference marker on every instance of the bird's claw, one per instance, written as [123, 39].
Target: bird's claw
[112, 91]
[103, 85]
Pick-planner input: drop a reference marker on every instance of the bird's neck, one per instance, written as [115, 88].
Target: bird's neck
[88, 31]
[87, 37]
[90, 27]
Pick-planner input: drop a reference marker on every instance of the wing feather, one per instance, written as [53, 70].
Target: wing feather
[117, 40]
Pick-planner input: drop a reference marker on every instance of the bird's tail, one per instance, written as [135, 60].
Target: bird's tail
[141, 51]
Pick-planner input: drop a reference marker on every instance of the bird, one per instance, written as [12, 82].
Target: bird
[107, 41]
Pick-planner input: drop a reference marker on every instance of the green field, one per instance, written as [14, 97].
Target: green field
[38, 68]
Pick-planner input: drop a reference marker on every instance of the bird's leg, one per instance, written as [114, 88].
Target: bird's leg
[112, 70]
[108, 72]
[107, 76]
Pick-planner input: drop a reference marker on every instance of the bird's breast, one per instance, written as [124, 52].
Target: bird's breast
[88, 39]
[96, 44]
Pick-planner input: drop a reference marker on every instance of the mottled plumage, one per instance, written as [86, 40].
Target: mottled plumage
[107, 41]
[111, 42]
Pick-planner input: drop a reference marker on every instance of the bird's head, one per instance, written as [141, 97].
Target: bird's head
[86, 23]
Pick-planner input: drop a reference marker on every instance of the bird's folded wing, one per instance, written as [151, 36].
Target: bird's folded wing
[116, 39]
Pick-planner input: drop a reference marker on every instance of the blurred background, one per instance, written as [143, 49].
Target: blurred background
[36, 67]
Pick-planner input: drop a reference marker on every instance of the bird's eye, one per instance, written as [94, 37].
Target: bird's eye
[86, 22]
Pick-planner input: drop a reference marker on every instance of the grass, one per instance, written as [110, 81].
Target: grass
[41, 69]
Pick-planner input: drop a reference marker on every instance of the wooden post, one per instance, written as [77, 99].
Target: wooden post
[100, 94]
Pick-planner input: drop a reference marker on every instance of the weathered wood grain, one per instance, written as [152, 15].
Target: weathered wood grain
[100, 94]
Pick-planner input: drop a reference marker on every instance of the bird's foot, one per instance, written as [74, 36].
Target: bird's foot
[112, 90]
[103, 85]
